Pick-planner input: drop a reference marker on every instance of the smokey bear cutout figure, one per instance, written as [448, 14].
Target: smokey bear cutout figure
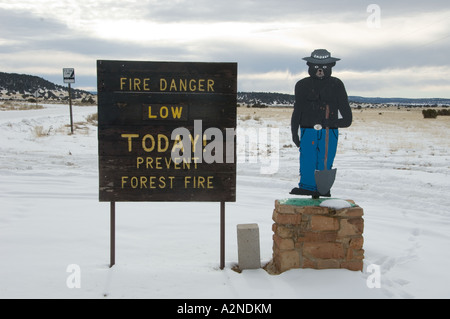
[321, 102]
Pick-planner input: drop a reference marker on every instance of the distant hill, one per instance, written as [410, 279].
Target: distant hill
[399, 101]
[26, 87]
[251, 98]
[278, 99]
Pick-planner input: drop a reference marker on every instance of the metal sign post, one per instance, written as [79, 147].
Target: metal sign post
[70, 108]
[69, 77]
[112, 234]
[222, 235]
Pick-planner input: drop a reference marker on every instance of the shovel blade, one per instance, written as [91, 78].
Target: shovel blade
[324, 180]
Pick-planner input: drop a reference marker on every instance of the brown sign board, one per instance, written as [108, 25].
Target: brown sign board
[166, 131]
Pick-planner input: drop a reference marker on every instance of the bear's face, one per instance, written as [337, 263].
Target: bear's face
[320, 71]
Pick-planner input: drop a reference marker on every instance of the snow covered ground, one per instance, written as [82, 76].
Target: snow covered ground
[52, 228]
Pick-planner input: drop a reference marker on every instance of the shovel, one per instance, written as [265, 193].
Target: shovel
[325, 178]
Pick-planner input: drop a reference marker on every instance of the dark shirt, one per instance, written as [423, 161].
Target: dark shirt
[311, 98]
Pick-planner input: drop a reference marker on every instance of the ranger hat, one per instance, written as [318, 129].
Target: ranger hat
[320, 56]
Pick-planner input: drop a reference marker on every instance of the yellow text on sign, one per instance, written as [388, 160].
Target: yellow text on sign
[134, 84]
[165, 112]
[167, 85]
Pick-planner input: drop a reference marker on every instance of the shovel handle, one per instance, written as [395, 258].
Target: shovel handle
[327, 115]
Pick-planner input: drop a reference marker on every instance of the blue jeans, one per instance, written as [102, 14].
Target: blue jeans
[312, 154]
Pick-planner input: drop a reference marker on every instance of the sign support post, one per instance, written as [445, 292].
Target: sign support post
[222, 235]
[70, 107]
[69, 77]
[112, 234]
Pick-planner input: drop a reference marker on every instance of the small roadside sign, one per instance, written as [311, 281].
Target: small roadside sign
[69, 75]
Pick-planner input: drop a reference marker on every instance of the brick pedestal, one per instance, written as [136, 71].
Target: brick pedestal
[309, 236]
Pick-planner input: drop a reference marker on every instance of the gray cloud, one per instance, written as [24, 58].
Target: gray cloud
[271, 37]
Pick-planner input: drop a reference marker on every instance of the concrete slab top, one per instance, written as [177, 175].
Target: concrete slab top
[308, 201]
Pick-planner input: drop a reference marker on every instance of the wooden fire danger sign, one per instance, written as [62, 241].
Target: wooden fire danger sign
[166, 131]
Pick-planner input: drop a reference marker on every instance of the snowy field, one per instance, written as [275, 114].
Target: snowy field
[392, 163]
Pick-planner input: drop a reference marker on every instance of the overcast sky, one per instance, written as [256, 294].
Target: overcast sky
[387, 48]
